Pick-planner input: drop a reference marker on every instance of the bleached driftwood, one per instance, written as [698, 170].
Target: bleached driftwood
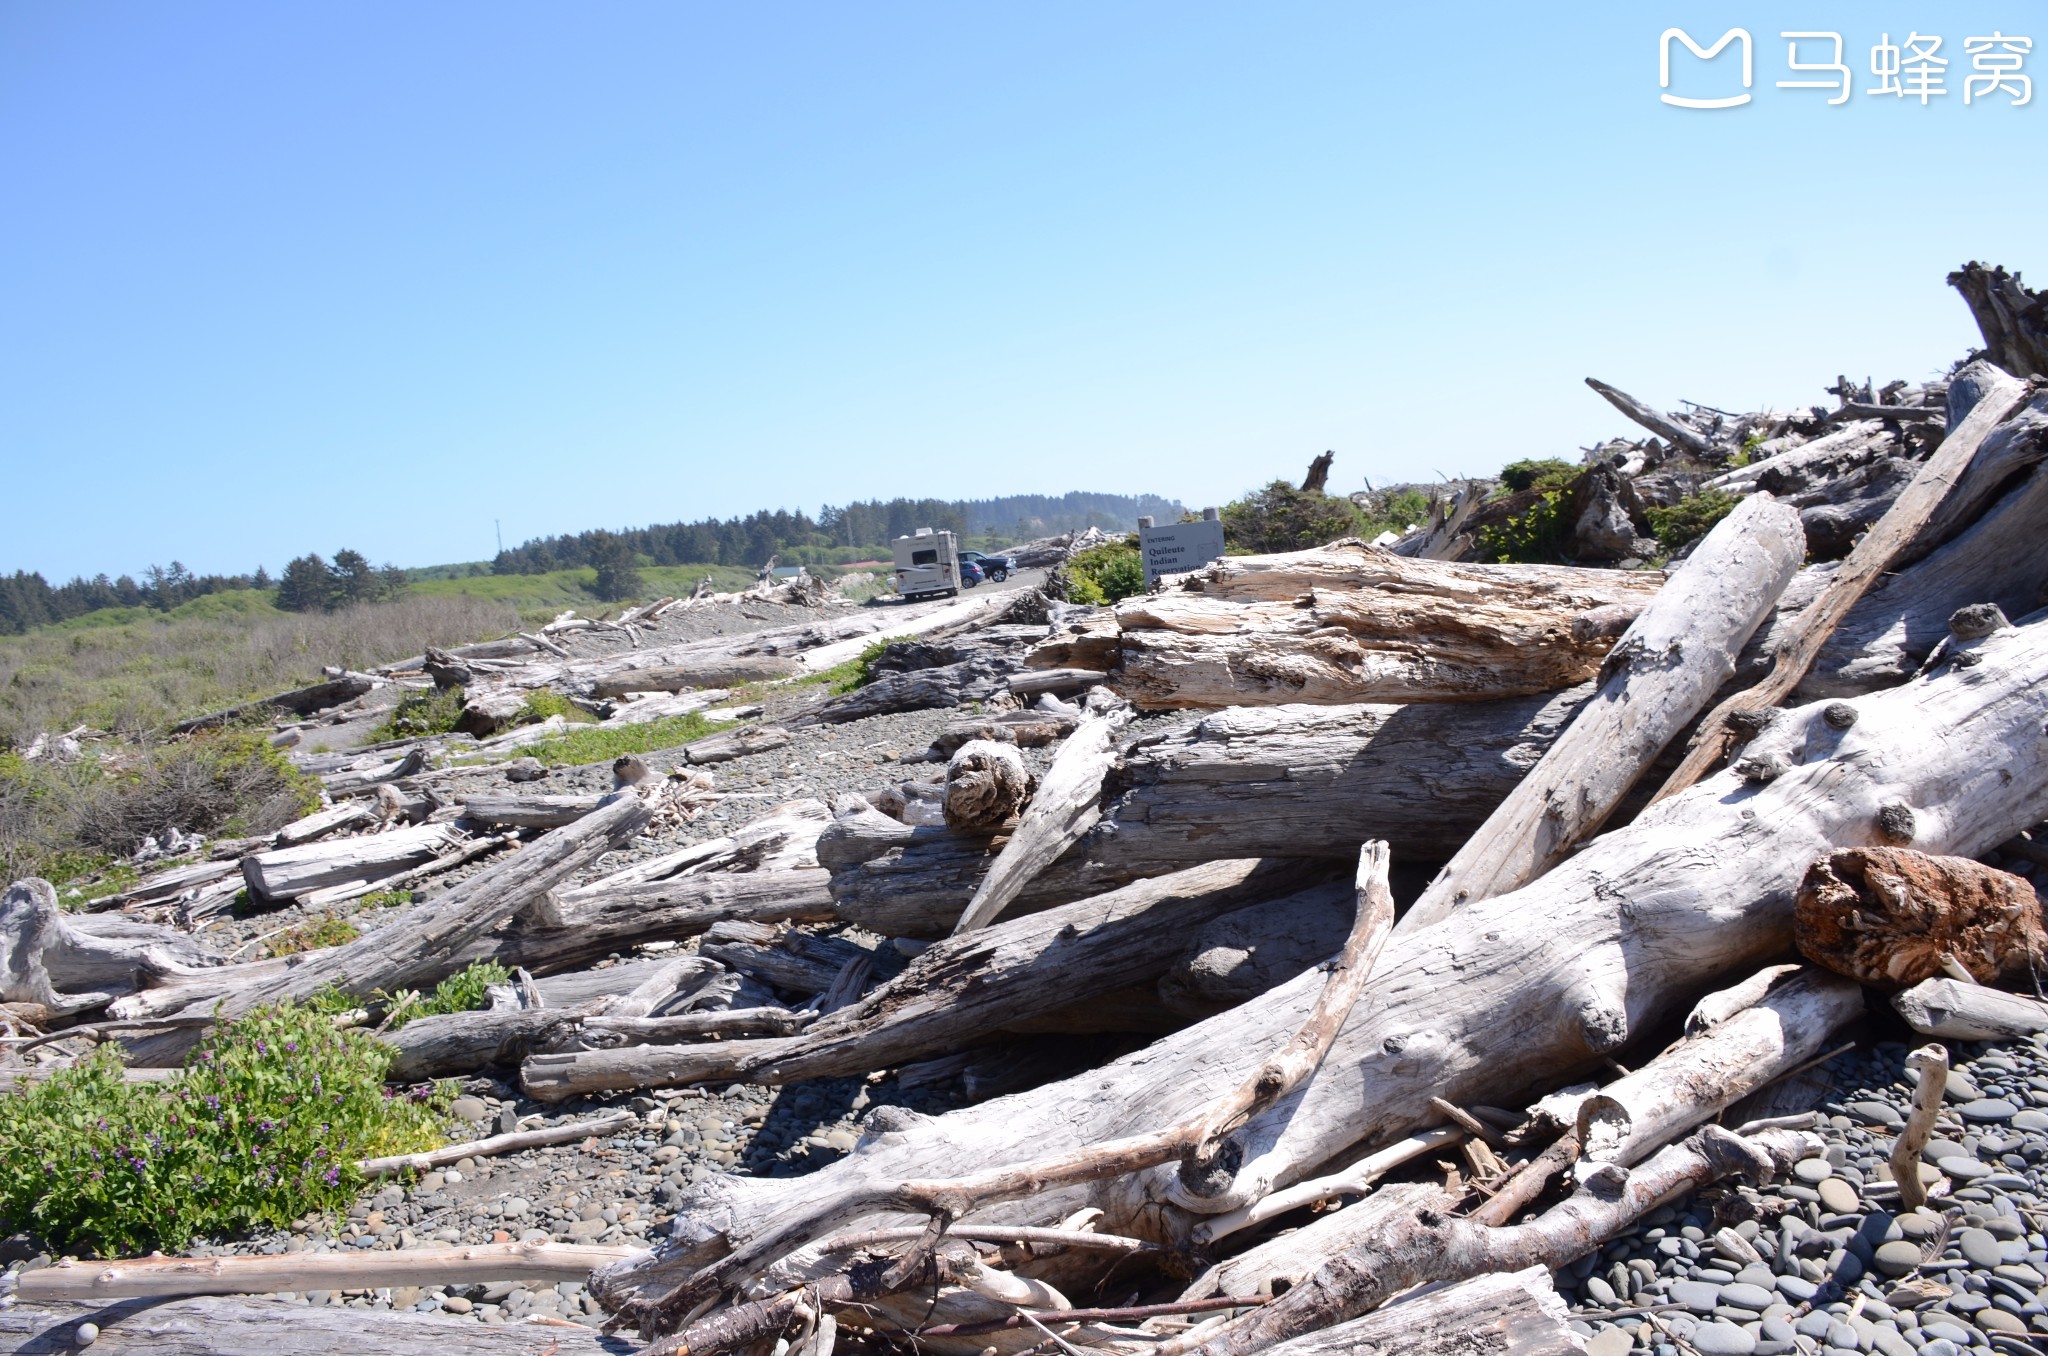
[69, 965]
[676, 678]
[1679, 435]
[287, 872]
[1956, 1011]
[986, 783]
[1502, 1313]
[1664, 669]
[1482, 1007]
[959, 990]
[1365, 625]
[498, 810]
[493, 1145]
[1067, 803]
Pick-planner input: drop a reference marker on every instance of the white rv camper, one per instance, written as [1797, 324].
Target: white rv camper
[927, 565]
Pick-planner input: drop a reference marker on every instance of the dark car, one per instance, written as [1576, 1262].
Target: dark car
[970, 573]
[995, 567]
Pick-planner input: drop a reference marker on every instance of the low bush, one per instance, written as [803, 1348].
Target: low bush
[1534, 536]
[1283, 518]
[1100, 574]
[603, 743]
[465, 991]
[312, 935]
[419, 714]
[1546, 473]
[543, 703]
[263, 1127]
[1691, 518]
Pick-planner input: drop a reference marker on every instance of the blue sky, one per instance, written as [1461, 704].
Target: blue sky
[278, 278]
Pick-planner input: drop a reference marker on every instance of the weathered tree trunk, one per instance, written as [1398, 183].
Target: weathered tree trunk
[985, 784]
[963, 989]
[1360, 624]
[1664, 426]
[1067, 803]
[288, 872]
[918, 690]
[499, 810]
[675, 678]
[1502, 1313]
[67, 966]
[224, 1326]
[1956, 1011]
[1890, 917]
[2012, 318]
[723, 748]
[302, 701]
[1895, 532]
[1662, 672]
[1505, 996]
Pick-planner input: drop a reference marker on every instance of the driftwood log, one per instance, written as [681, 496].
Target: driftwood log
[677, 678]
[291, 871]
[1956, 1011]
[224, 1326]
[1500, 1314]
[1891, 917]
[1661, 673]
[1502, 996]
[961, 990]
[1067, 803]
[1353, 623]
[2012, 318]
[986, 784]
[501, 811]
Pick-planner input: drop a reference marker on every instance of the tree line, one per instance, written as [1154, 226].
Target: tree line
[797, 537]
[309, 584]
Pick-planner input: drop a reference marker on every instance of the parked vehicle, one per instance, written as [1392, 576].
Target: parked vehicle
[970, 573]
[995, 567]
[927, 564]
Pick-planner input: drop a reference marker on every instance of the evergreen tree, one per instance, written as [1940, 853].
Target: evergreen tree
[306, 587]
[618, 571]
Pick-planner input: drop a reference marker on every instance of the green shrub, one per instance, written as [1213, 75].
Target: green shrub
[1691, 518]
[465, 991]
[419, 714]
[1282, 518]
[1547, 473]
[1535, 536]
[384, 899]
[601, 743]
[263, 1127]
[1101, 574]
[312, 935]
[543, 703]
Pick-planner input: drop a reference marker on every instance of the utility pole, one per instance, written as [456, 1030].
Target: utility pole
[501, 535]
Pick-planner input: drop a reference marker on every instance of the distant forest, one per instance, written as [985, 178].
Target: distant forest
[836, 534]
[838, 530]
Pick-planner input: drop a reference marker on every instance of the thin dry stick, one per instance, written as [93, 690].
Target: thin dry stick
[1197, 1141]
[1134, 1314]
[997, 1233]
[1901, 523]
[1932, 1062]
[497, 1144]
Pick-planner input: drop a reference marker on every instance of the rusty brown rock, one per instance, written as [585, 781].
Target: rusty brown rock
[1886, 916]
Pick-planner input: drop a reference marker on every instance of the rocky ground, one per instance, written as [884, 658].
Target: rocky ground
[1822, 1263]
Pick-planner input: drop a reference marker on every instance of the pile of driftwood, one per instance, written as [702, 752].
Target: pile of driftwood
[1658, 833]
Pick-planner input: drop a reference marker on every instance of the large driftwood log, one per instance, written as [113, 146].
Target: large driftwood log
[301, 701]
[2012, 318]
[1896, 531]
[723, 748]
[963, 989]
[1956, 1011]
[1502, 997]
[676, 678]
[67, 965]
[221, 1326]
[72, 1279]
[499, 810]
[1663, 425]
[1067, 803]
[1892, 917]
[1503, 1313]
[288, 872]
[1662, 672]
[986, 783]
[2001, 558]
[918, 690]
[783, 839]
[429, 944]
[1364, 624]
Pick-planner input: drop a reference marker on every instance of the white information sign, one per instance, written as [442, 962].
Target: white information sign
[1179, 547]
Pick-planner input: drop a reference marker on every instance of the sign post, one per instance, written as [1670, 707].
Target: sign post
[1179, 547]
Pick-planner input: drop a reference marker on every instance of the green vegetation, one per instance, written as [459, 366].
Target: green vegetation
[1691, 518]
[310, 584]
[1547, 473]
[1747, 452]
[384, 899]
[465, 991]
[417, 714]
[545, 703]
[210, 653]
[65, 821]
[1535, 536]
[1100, 574]
[312, 935]
[600, 744]
[1282, 518]
[264, 1127]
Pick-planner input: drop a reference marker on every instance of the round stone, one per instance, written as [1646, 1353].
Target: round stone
[1813, 1171]
[1722, 1339]
[1964, 1169]
[1980, 1248]
[1897, 1258]
[1988, 1111]
[1703, 1296]
[1837, 1195]
[455, 1304]
[1754, 1298]
[1609, 1342]
[87, 1334]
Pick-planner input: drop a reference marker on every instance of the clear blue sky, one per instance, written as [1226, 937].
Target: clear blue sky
[286, 277]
